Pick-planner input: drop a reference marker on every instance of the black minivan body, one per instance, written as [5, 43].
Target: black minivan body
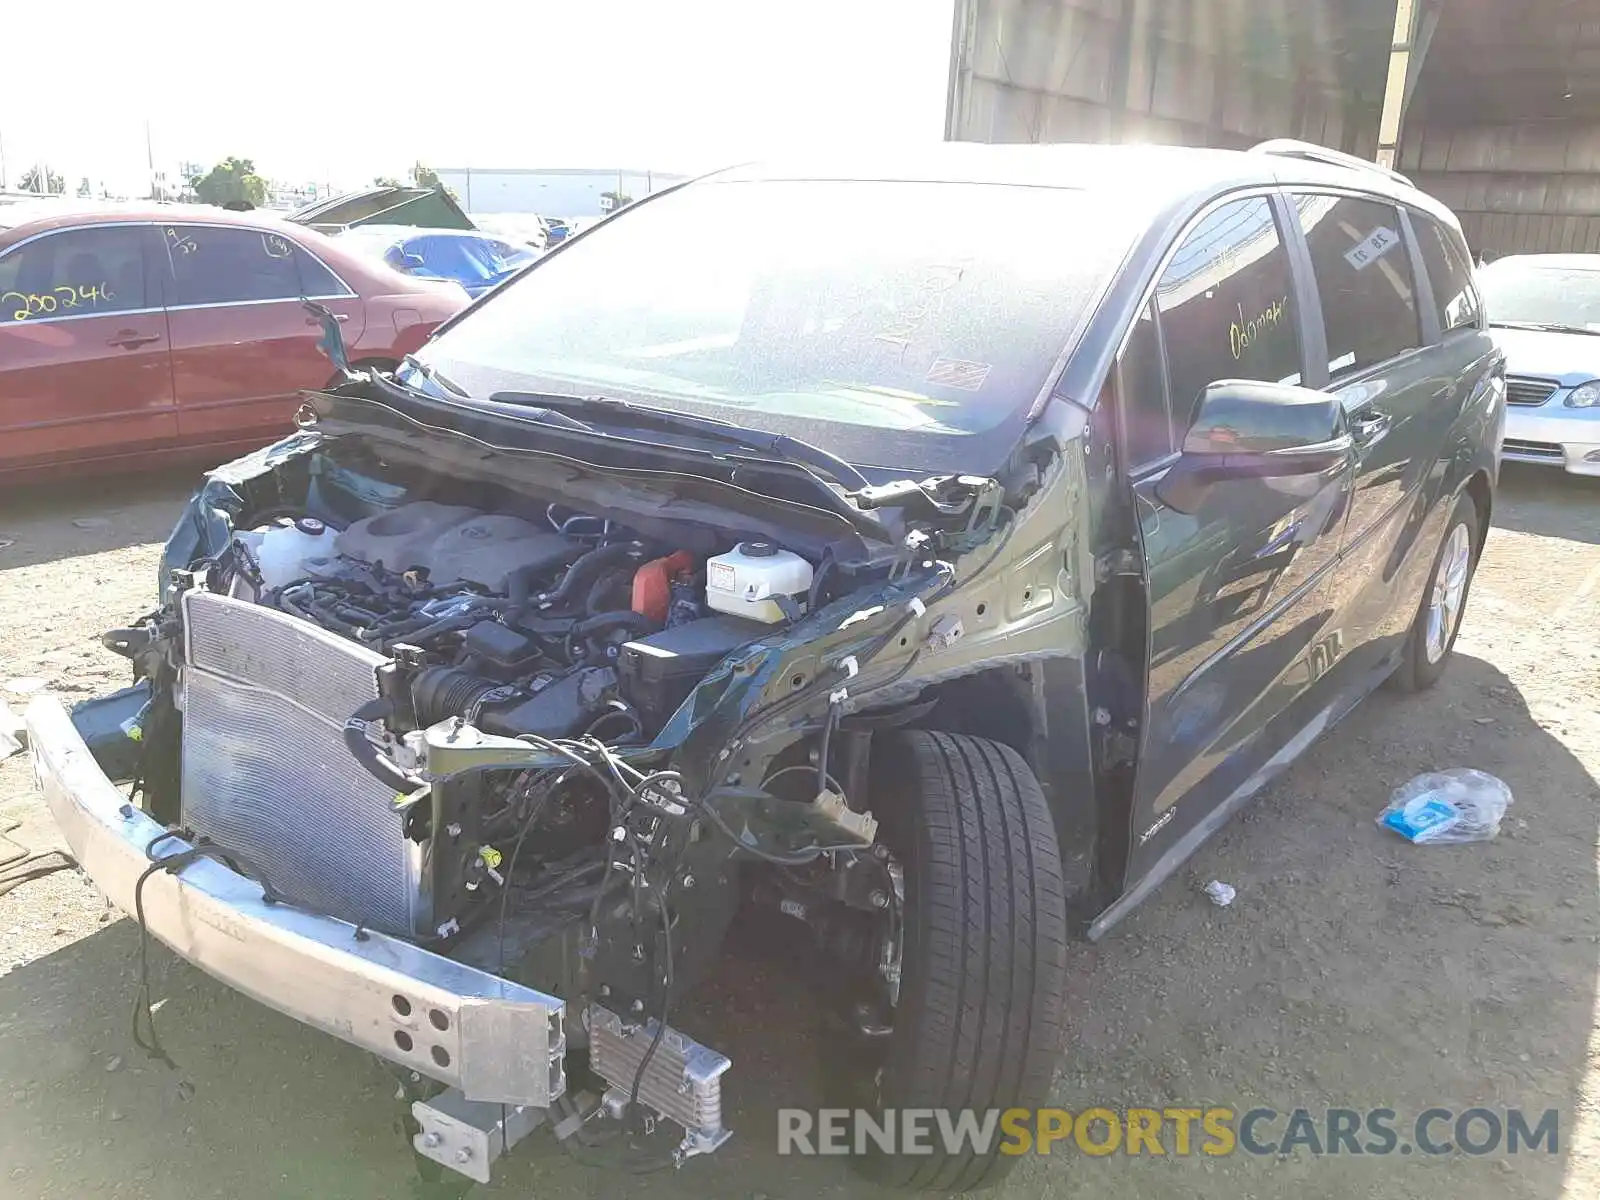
[1142, 470]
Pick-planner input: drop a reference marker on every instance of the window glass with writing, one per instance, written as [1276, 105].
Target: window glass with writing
[1226, 304]
[213, 265]
[73, 273]
[1363, 274]
[1454, 295]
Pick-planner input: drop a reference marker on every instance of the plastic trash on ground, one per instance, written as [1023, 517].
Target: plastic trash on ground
[1221, 893]
[1458, 805]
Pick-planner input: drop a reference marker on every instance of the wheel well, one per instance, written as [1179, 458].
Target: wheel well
[993, 704]
[1483, 501]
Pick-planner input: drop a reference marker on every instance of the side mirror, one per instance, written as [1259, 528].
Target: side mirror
[1248, 430]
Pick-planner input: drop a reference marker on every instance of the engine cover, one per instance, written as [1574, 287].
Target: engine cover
[265, 772]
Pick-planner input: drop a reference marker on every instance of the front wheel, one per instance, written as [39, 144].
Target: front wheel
[979, 1023]
[1438, 620]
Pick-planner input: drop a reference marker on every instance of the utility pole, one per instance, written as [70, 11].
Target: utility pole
[2, 164]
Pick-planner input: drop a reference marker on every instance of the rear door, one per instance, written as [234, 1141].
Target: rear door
[84, 366]
[1238, 589]
[1375, 355]
[243, 348]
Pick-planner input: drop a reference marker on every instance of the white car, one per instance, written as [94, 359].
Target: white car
[1545, 310]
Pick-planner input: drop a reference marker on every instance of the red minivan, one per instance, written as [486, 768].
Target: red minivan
[129, 334]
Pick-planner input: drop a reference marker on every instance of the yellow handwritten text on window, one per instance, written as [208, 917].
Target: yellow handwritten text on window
[57, 302]
[1242, 333]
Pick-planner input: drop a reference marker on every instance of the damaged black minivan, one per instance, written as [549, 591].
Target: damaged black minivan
[931, 555]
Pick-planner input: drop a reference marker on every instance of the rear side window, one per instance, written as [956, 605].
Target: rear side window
[75, 273]
[1226, 304]
[316, 279]
[1363, 275]
[213, 265]
[1445, 258]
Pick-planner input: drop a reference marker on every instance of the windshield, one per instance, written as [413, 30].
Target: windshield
[1524, 292]
[834, 311]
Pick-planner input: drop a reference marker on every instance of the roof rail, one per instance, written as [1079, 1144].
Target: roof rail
[1291, 148]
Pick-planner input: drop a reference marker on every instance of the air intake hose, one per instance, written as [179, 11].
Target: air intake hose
[369, 756]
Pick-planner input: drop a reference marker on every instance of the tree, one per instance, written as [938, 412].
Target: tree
[53, 182]
[85, 188]
[427, 177]
[231, 180]
[385, 181]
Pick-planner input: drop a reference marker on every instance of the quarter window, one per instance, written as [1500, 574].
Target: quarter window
[1226, 305]
[213, 265]
[1363, 275]
[1454, 294]
[1147, 432]
[74, 273]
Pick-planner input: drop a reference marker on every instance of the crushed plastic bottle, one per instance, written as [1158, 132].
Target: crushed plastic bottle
[1221, 894]
[1458, 805]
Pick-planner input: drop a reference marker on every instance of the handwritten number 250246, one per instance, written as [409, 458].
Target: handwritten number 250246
[57, 301]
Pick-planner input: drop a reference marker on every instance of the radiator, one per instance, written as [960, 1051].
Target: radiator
[265, 771]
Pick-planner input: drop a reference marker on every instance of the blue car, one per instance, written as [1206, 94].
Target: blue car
[477, 261]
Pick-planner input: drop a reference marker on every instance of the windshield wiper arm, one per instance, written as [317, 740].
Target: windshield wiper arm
[642, 416]
[1546, 327]
[434, 375]
[543, 413]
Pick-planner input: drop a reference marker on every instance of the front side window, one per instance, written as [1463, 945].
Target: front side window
[74, 273]
[217, 265]
[1363, 275]
[1226, 303]
[1450, 272]
[861, 315]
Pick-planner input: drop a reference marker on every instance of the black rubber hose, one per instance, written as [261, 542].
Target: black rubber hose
[519, 583]
[369, 756]
[636, 623]
[611, 582]
[582, 574]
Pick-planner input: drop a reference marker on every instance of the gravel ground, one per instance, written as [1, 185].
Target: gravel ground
[1352, 971]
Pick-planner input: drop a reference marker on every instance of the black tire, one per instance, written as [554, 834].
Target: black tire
[979, 1022]
[1417, 671]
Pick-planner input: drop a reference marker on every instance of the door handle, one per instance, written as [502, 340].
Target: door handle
[129, 339]
[1368, 427]
[317, 321]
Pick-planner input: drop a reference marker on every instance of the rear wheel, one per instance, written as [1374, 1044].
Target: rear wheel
[979, 1021]
[1438, 619]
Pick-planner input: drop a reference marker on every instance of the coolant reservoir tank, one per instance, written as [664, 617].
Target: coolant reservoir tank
[285, 550]
[746, 580]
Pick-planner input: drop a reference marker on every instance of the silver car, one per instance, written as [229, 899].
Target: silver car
[1545, 310]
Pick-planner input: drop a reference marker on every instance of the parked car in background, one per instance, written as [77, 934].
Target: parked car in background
[477, 261]
[556, 230]
[127, 332]
[1545, 310]
[527, 229]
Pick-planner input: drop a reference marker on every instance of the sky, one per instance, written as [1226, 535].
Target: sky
[341, 92]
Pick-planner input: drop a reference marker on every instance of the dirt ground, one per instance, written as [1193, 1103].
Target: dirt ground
[1353, 970]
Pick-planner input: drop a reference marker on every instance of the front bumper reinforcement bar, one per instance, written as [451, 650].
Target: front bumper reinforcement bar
[491, 1039]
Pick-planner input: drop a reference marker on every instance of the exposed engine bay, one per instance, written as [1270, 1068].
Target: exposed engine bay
[544, 741]
[575, 628]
